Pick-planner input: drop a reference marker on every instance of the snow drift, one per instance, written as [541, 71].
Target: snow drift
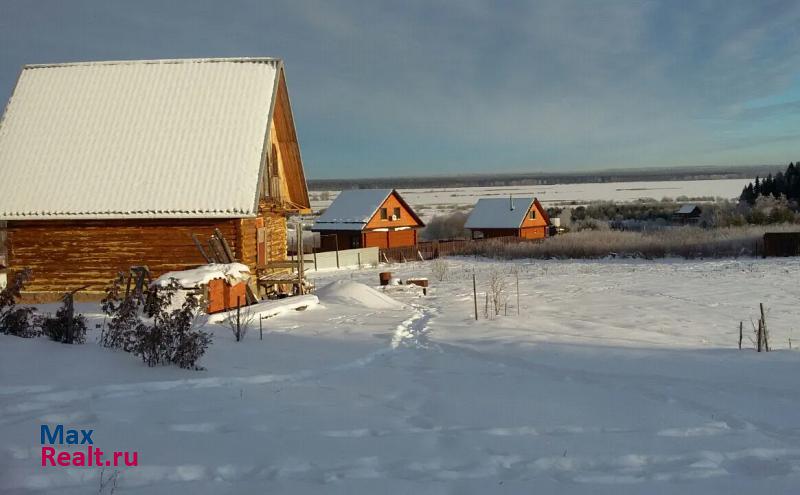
[357, 294]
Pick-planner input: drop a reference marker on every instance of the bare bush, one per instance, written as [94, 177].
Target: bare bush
[683, 242]
[240, 321]
[14, 320]
[439, 269]
[497, 289]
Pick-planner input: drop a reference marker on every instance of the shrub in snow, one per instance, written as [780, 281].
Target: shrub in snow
[65, 327]
[240, 321]
[160, 335]
[439, 269]
[683, 242]
[14, 320]
[122, 317]
[497, 289]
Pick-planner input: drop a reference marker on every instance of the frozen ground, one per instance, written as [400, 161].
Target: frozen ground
[616, 377]
[430, 202]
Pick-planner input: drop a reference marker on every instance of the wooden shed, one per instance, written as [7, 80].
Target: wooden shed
[105, 165]
[686, 214]
[368, 218]
[508, 217]
[782, 244]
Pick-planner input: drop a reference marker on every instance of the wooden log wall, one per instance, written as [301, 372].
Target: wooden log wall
[275, 225]
[65, 255]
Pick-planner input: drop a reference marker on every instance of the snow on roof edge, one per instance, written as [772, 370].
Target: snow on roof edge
[154, 61]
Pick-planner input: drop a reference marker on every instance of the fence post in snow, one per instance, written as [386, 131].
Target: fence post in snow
[475, 295]
[740, 335]
[764, 333]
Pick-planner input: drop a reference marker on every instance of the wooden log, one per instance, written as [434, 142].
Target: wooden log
[200, 248]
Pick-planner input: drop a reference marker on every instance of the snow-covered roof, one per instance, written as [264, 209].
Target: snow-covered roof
[148, 139]
[352, 209]
[497, 213]
[686, 209]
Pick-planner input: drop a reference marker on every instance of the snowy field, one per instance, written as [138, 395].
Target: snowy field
[617, 377]
[429, 202]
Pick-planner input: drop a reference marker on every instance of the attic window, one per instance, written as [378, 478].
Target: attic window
[533, 214]
[396, 214]
[384, 214]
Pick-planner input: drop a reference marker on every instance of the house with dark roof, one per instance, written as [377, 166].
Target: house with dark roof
[107, 165]
[365, 218]
[508, 217]
[688, 213]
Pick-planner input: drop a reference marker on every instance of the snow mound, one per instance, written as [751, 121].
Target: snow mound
[355, 293]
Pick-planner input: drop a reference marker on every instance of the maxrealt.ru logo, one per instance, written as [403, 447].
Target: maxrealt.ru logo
[87, 456]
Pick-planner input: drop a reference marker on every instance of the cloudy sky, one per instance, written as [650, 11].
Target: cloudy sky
[468, 86]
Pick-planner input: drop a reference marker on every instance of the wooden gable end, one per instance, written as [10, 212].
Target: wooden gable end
[540, 219]
[407, 218]
[287, 181]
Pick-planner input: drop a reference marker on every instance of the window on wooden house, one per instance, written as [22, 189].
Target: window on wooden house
[396, 215]
[533, 214]
[384, 214]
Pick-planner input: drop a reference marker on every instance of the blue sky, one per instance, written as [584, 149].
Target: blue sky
[393, 88]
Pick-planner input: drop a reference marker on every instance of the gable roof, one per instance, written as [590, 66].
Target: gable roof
[137, 139]
[687, 209]
[353, 208]
[496, 213]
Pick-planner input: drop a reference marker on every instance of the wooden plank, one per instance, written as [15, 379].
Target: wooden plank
[281, 264]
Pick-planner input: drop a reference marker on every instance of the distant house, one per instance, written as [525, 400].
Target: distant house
[365, 218]
[511, 217]
[106, 165]
[689, 213]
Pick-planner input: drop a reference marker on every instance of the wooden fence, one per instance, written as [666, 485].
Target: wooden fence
[781, 244]
[428, 250]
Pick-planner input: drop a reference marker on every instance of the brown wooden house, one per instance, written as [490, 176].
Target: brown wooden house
[368, 218]
[512, 217]
[106, 165]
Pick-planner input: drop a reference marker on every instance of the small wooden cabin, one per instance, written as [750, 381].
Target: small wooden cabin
[686, 214]
[511, 217]
[368, 218]
[106, 165]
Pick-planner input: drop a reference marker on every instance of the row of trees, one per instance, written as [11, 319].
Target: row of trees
[782, 184]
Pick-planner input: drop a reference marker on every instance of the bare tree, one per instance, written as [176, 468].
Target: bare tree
[497, 289]
[440, 269]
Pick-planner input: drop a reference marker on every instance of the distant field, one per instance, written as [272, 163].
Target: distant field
[431, 201]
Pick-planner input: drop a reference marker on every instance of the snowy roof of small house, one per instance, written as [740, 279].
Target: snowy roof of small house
[136, 139]
[497, 213]
[686, 209]
[352, 209]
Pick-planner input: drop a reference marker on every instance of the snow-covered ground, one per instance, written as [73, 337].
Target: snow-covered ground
[616, 377]
[429, 202]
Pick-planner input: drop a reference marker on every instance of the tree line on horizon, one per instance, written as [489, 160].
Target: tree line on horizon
[781, 184]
